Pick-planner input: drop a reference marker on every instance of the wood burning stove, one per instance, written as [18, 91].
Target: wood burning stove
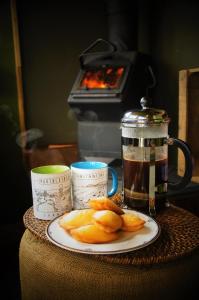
[108, 84]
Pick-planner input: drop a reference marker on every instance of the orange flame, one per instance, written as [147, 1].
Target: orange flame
[102, 79]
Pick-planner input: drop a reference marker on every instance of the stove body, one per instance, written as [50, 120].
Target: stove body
[108, 84]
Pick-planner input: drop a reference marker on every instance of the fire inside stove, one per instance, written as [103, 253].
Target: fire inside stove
[103, 78]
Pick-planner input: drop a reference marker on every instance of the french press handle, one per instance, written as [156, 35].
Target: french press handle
[188, 164]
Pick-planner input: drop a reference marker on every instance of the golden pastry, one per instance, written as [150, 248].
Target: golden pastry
[107, 220]
[131, 222]
[105, 203]
[93, 234]
[116, 198]
[76, 218]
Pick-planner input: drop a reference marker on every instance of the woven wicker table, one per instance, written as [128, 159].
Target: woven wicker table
[168, 268]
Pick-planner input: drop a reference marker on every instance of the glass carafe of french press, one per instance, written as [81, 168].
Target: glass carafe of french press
[145, 143]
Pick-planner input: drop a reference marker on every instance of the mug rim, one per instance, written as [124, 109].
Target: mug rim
[50, 169]
[89, 165]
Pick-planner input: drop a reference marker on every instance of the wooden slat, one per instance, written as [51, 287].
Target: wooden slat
[18, 66]
[188, 117]
[193, 70]
[182, 120]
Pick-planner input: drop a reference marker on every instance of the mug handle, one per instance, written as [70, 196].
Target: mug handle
[114, 182]
[188, 164]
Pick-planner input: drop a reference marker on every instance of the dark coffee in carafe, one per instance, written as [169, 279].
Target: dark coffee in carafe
[136, 170]
[136, 181]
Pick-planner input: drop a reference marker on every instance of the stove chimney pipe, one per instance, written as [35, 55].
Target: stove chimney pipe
[122, 23]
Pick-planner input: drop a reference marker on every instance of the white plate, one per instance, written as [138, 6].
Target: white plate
[128, 241]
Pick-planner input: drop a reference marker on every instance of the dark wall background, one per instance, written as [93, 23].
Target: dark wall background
[53, 34]
[14, 180]
[169, 31]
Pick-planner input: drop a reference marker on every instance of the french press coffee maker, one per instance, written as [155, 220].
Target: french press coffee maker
[145, 143]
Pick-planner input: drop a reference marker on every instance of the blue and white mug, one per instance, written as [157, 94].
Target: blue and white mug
[90, 180]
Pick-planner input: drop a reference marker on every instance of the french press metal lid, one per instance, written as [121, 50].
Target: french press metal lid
[146, 116]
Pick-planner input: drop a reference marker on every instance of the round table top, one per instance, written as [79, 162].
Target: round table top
[179, 237]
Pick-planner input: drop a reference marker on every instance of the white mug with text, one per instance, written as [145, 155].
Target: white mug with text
[51, 191]
[90, 180]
